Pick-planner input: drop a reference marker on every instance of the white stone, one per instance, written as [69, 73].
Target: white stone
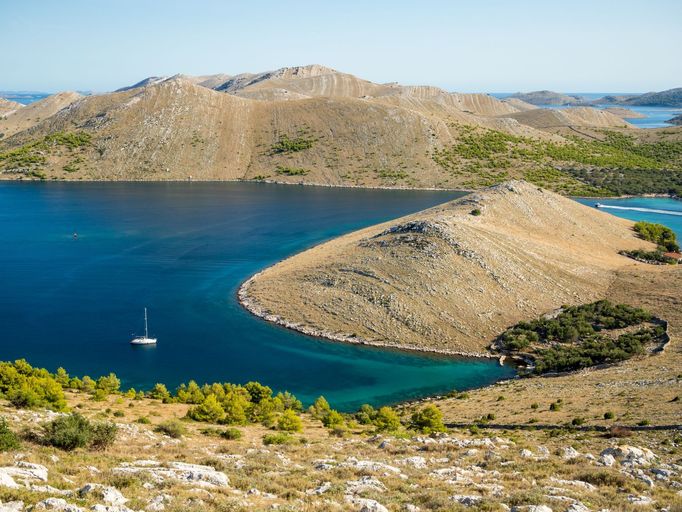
[180, 471]
[571, 453]
[364, 484]
[526, 454]
[12, 506]
[416, 462]
[158, 503]
[321, 489]
[606, 459]
[109, 495]
[631, 455]
[366, 505]
[640, 500]
[531, 508]
[58, 505]
[467, 500]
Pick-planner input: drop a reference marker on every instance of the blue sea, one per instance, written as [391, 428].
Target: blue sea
[655, 117]
[182, 250]
[662, 210]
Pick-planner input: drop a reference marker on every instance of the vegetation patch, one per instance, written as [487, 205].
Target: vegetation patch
[583, 336]
[661, 235]
[291, 171]
[286, 144]
[485, 152]
[30, 157]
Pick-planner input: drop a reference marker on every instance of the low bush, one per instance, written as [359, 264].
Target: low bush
[289, 421]
[172, 428]
[8, 439]
[231, 434]
[429, 419]
[278, 438]
[75, 431]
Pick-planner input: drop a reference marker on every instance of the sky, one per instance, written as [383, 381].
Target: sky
[466, 46]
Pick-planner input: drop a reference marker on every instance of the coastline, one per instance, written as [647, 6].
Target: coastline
[326, 185]
[256, 309]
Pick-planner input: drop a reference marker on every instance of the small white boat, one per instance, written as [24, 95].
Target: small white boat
[144, 340]
[598, 205]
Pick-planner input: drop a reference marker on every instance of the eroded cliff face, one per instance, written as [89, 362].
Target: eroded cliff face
[446, 279]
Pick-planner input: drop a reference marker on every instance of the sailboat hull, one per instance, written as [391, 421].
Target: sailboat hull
[143, 341]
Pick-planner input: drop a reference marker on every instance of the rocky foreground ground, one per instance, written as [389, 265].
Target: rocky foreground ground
[533, 471]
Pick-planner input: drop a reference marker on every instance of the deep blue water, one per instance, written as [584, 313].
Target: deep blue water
[656, 117]
[672, 208]
[182, 250]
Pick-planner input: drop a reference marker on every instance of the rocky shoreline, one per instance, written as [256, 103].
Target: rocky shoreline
[250, 304]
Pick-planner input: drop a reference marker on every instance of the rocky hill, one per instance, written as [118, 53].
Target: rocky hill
[667, 98]
[548, 98]
[451, 278]
[546, 119]
[8, 107]
[311, 125]
[35, 113]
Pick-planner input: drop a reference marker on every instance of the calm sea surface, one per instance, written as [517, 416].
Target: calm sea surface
[182, 250]
[651, 209]
[655, 117]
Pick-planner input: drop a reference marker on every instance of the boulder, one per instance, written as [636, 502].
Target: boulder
[109, 495]
[631, 455]
[57, 504]
[365, 504]
[182, 472]
[12, 506]
[467, 500]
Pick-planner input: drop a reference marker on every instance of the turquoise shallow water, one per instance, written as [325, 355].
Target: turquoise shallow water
[651, 209]
[182, 249]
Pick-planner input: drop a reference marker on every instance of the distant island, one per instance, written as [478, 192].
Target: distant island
[549, 98]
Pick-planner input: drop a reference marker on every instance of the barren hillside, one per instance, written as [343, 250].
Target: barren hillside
[8, 107]
[446, 279]
[315, 125]
[33, 114]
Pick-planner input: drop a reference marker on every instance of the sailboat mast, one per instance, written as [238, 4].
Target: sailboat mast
[146, 334]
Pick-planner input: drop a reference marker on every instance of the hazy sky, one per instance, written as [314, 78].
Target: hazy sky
[474, 45]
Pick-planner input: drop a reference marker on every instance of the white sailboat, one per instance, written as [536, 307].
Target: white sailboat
[144, 340]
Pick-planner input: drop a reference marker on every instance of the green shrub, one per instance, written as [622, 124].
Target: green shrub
[659, 234]
[231, 434]
[365, 415]
[75, 431]
[8, 439]
[103, 436]
[209, 410]
[429, 419]
[289, 421]
[320, 408]
[292, 145]
[608, 415]
[476, 212]
[387, 420]
[278, 438]
[143, 420]
[172, 428]
[291, 171]
[333, 419]
[159, 392]
[555, 406]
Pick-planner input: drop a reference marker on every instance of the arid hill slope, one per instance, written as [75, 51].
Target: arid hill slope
[8, 107]
[31, 115]
[445, 279]
[312, 125]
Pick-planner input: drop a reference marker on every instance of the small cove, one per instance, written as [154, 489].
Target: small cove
[182, 250]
